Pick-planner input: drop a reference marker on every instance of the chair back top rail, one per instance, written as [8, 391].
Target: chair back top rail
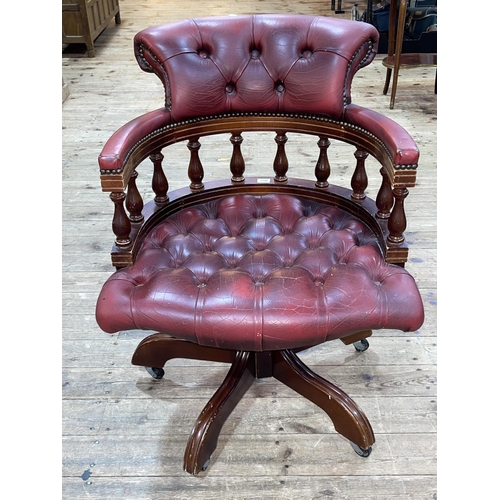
[250, 63]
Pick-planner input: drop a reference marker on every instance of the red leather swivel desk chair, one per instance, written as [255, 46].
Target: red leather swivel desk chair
[250, 272]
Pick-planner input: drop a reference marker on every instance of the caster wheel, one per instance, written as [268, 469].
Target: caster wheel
[361, 345]
[205, 465]
[360, 451]
[156, 373]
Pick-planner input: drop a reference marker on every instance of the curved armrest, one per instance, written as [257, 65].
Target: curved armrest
[119, 145]
[398, 141]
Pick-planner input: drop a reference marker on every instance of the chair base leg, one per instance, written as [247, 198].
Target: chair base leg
[356, 337]
[203, 439]
[159, 348]
[347, 418]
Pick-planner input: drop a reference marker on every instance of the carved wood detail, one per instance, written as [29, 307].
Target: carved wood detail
[195, 169]
[280, 160]
[359, 180]
[385, 198]
[159, 182]
[322, 170]
[237, 164]
[397, 220]
[133, 200]
[121, 223]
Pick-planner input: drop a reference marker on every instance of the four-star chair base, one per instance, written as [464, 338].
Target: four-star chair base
[347, 418]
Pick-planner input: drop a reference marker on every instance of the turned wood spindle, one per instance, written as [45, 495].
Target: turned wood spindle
[385, 198]
[359, 180]
[280, 160]
[159, 182]
[121, 223]
[133, 201]
[195, 169]
[397, 220]
[322, 170]
[237, 164]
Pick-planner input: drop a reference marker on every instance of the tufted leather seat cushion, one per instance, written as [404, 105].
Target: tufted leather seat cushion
[260, 272]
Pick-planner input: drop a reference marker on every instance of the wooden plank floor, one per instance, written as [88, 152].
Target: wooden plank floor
[123, 432]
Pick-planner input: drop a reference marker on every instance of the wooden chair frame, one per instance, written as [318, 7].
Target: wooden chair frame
[388, 211]
[150, 135]
[133, 220]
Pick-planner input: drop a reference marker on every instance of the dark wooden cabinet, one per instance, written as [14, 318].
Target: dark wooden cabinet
[84, 20]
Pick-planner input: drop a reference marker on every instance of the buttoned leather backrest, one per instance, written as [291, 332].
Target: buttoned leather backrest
[260, 63]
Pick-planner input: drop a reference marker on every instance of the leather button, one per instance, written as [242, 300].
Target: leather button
[280, 87]
[230, 88]
[255, 54]
[306, 54]
[203, 54]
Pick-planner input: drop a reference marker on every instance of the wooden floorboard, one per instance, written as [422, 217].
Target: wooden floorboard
[123, 433]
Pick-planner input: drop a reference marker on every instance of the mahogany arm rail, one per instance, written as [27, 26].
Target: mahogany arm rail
[380, 136]
[403, 150]
[119, 145]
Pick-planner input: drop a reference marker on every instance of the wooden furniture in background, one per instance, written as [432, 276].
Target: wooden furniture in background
[395, 59]
[84, 20]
